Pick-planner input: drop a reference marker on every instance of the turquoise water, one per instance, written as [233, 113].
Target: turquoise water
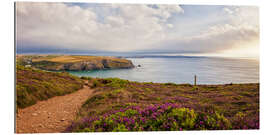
[182, 70]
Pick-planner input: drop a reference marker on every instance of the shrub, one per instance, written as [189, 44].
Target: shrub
[96, 83]
[159, 117]
[120, 128]
[244, 121]
[115, 93]
[116, 82]
[86, 78]
[94, 100]
[184, 116]
[170, 84]
[186, 84]
[195, 88]
[110, 82]
[245, 93]
[214, 121]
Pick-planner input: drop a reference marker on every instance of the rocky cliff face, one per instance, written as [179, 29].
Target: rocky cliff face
[96, 64]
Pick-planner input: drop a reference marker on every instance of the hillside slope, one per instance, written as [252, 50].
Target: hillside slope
[122, 105]
[52, 115]
[33, 85]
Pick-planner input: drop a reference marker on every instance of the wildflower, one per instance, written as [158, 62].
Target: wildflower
[143, 119]
[201, 122]
[125, 119]
[205, 118]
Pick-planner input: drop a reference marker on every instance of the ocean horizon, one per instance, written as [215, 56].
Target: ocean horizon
[182, 69]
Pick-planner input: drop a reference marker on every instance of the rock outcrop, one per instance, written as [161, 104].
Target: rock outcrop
[84, 64]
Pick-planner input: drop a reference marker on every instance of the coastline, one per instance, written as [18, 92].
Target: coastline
[233, 105]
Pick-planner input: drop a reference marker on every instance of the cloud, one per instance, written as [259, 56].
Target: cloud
[238, 30]
[58, 24]
[227, 10]
[124, 27]
[216, 38]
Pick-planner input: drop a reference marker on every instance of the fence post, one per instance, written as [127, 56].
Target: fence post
[195, 80]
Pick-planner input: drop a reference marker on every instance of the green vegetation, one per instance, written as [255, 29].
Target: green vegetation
[158, 117]
[72, 62]
[122, 105]
[33, 85]
[173, 84]
[74, 58]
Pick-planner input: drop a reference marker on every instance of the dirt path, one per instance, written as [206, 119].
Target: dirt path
[52, 115]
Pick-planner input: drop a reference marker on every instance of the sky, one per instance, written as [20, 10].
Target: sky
[199, 30]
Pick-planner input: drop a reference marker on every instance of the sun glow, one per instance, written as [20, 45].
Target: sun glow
[245, 52]
[250, 51]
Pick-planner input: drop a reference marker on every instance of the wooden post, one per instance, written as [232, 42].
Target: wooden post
[195, 80]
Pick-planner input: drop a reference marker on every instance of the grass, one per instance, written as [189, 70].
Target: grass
[72, 62]
[73, 59]
[201, 107]
[122, 105]
[156, 117]
[33, 85]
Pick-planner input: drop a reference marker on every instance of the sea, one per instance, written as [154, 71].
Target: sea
[208, 70]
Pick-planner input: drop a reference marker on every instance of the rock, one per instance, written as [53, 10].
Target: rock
[34, 114]
[62, 119]
[85, 63]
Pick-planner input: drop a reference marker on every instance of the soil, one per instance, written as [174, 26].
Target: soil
[52, 115]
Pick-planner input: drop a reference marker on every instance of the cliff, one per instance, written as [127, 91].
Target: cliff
[79, 63]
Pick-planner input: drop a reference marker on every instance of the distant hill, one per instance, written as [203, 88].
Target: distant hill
[73, 63]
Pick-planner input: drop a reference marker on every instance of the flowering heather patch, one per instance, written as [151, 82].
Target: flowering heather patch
[158, 117]
[243, 121]
[121, 105]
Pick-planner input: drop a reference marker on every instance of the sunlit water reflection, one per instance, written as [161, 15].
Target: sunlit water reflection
[182, 70]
